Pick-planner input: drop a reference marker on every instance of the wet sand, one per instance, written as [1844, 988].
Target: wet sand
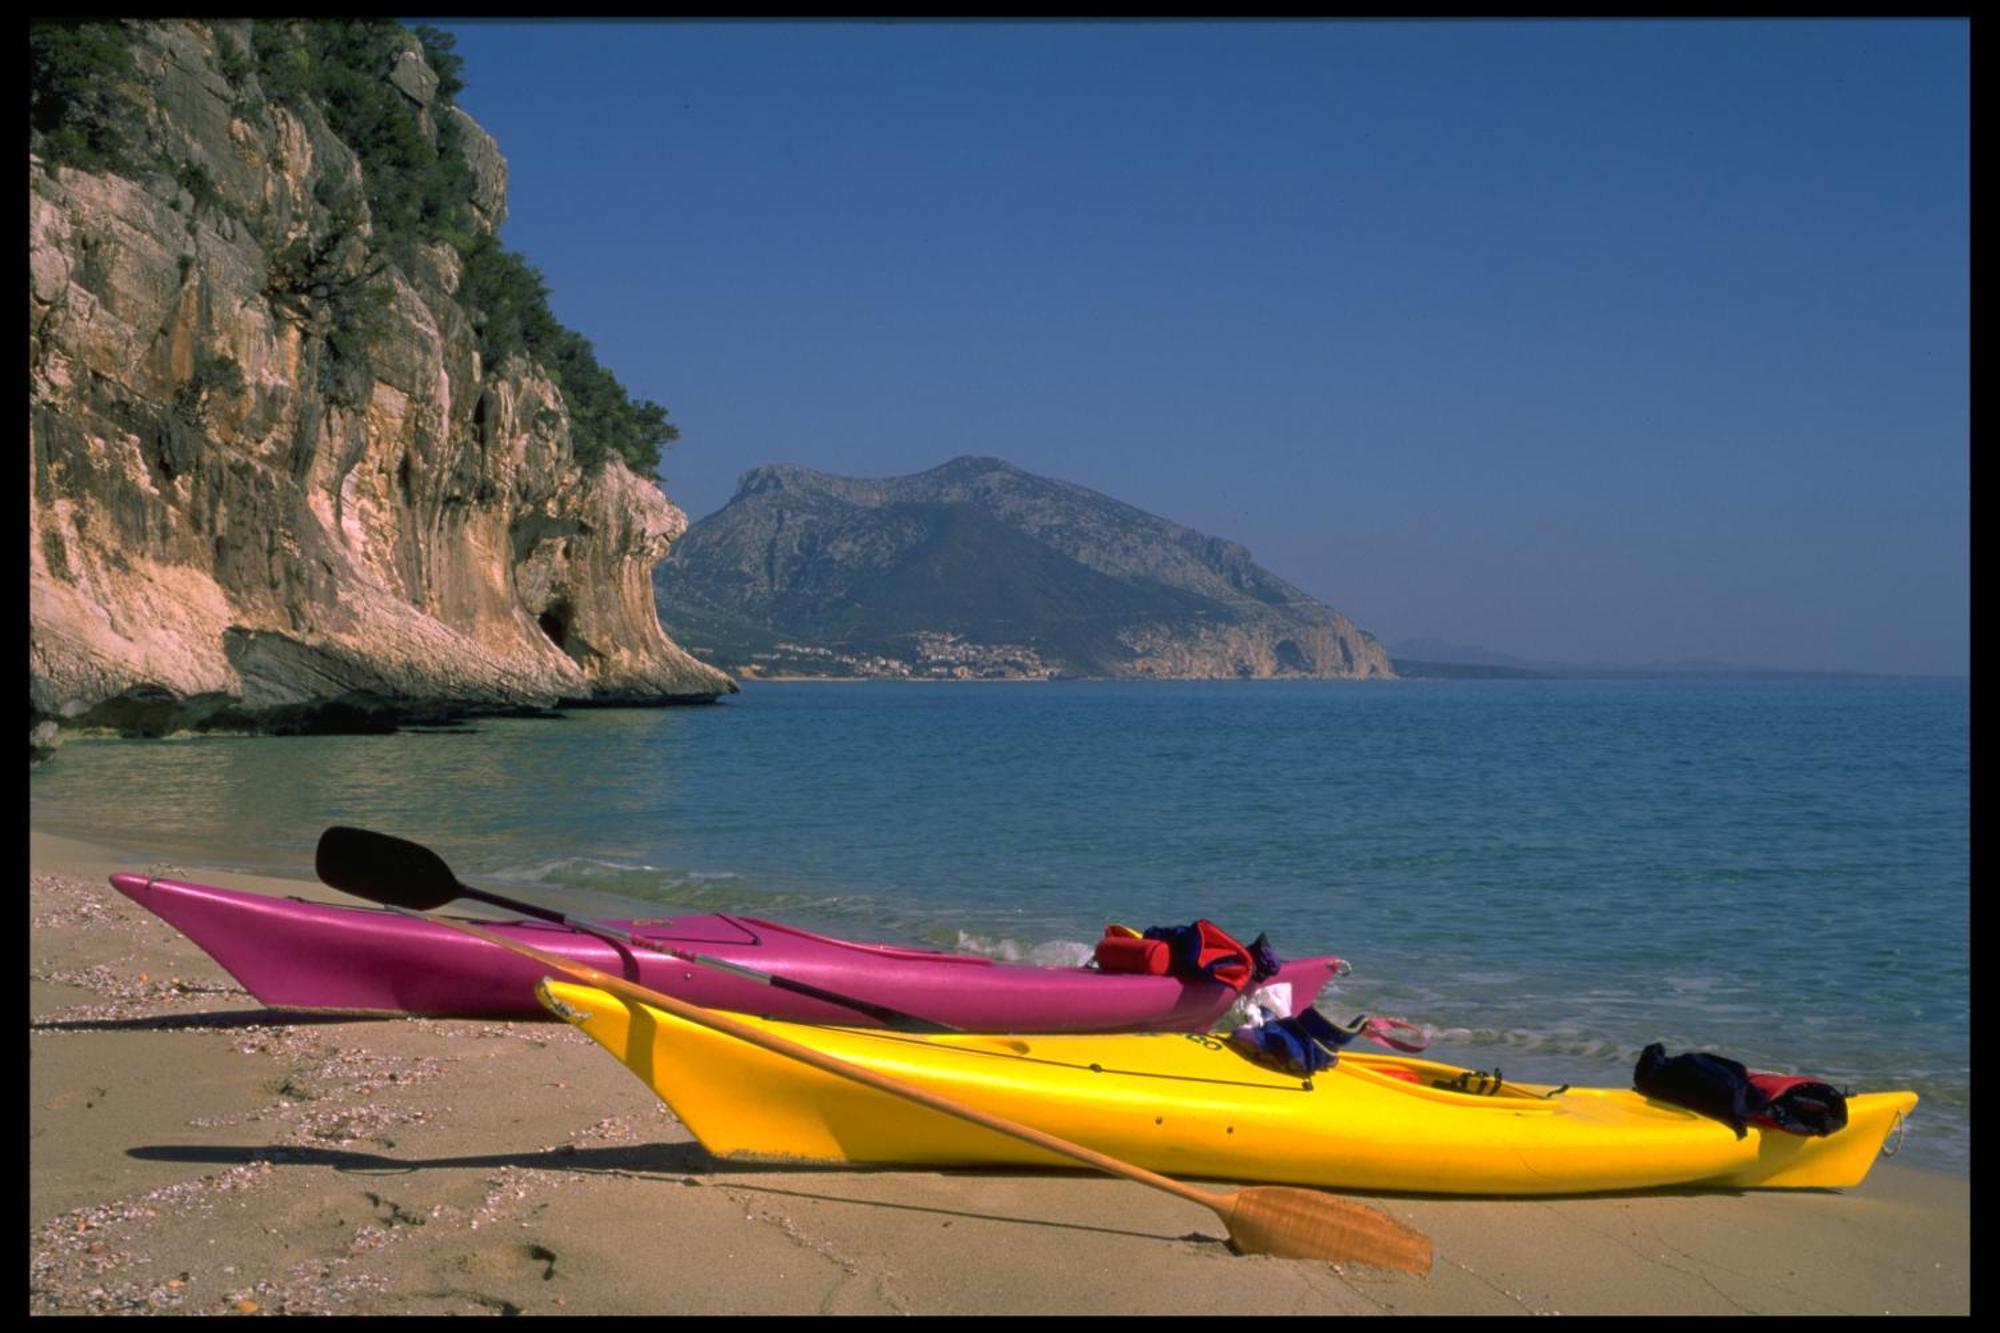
[190, 1151]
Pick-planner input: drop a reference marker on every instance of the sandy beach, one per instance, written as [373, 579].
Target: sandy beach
[190, 1151]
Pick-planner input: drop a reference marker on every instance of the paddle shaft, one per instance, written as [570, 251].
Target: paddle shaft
[1220, 1203]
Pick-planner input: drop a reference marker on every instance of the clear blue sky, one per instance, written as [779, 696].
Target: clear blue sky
[1614, 341]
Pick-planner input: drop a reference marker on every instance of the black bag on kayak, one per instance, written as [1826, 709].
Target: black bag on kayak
[1712, 1085]
[1722, 1089]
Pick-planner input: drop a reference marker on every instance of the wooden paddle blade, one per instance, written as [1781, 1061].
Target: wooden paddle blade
[384, 869]
[1307, 1224]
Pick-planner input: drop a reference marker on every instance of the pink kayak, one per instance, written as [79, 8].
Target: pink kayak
[295, 954]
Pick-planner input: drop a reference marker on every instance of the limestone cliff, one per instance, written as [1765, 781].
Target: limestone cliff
[258, 500]
[979, 569]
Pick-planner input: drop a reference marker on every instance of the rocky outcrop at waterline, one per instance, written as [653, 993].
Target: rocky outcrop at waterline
[273, 481]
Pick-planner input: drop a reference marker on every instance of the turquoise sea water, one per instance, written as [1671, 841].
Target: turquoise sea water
[1550, 873]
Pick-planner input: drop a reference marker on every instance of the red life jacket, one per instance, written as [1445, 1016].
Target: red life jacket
[1798, 1105]
[1122, 951]
[1201, 951]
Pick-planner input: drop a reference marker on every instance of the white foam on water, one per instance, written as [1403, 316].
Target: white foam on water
[1049, 953]
[544, 871]
[1521, 1039]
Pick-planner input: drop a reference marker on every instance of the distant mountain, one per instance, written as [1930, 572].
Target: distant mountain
[979, 569]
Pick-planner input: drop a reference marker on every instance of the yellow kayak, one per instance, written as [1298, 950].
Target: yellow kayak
[1189, 1104]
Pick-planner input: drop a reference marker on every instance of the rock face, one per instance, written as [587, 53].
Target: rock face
[233, 519]
[977, 568]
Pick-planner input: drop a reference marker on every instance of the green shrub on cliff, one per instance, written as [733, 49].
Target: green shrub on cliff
[86, 108]
[416, 193]
[438, 45]
[231, 59]
[420, 194]
[603, 417]
[218, 375]
[510, 301]
[76, 76]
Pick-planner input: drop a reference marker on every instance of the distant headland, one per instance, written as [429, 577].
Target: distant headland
[979, 570]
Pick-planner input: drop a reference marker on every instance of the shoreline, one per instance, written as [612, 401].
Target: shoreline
[189, 1154]
[910, 680]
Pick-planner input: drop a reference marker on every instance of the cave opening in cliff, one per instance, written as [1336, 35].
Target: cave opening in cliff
[555, 623]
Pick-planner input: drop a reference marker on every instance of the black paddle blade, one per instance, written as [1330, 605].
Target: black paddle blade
[384, 869]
